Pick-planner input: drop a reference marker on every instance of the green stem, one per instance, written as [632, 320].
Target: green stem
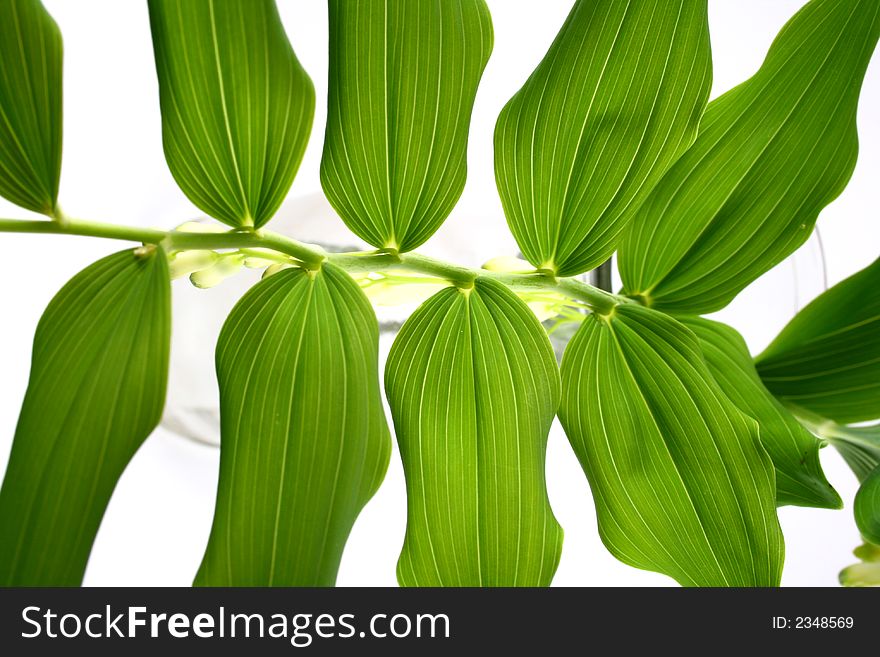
[312, 256]
[600, 301]
[266, 254]
[85, 228]
[408, 262]
[308, 254]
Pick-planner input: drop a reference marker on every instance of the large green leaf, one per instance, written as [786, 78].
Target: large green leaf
[473, 387]
[613, 104]
[30, 105]
[96, 391]
[403, 76]
[304, 439]
[770, 155]
[867, 507]
[827, 359]
[793, 450]
[237, 107]
[681, 482]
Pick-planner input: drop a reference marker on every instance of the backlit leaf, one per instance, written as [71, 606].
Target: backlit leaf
[96, 391]
[867, 507]
[473, 387]
[304, 440]
[827, 359]
[770, 155]
[403, 76]
[681, 482]
[613, 104]
[237, 107]
[793, 450]
[30, 105]
[859, 446]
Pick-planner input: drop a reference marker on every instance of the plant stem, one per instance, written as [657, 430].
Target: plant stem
[308, 254]
[85, 228]
[407, 262]
[600, 301]
[312, 256]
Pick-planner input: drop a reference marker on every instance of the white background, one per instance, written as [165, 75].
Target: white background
[114, 170]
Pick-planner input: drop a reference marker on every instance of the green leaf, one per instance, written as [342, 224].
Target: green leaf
[793, 450]
[96, 391]
[859, 447]
[473, 386]
[237, 107]
[304, 440]
[827, 359]
[770, 155]
[867, 507]
[616, 100]
[866, 573]
[681, 482]
[30, 106]
[403, 76]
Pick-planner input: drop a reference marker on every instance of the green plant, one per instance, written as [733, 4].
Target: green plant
[610, 146]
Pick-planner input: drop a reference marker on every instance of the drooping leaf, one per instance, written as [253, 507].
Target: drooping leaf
[681, 482]
[473, 387]
[770, 155]
[304, 440]
[237, 107]
[867, 507]
[403, 77]
[827, 359]
[616, 100]
[793, 450]
[866, 573]
[30, 105]
[96, 391]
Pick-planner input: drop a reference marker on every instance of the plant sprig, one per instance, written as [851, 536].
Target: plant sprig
[311, 256]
